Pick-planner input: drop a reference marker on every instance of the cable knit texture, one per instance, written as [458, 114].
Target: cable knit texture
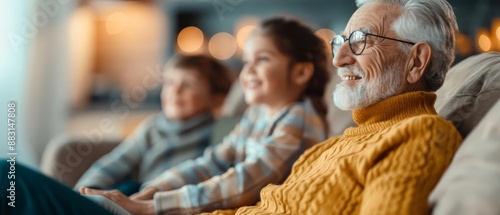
[387, 165]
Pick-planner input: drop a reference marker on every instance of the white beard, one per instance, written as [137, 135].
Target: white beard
[390, 83]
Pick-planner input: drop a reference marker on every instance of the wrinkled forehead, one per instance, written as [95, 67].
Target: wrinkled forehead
[375, 18]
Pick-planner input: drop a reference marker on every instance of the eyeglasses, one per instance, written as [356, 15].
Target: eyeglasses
[357, 41]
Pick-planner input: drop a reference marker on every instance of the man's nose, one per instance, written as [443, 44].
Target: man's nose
[343, 57]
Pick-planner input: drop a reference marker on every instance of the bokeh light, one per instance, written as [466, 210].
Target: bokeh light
[498, 32]
[326, 35]
[463, 44]
[243, 34]
[116, 23]
[222, 46]
[190, 39]
[483, 40]
[495, 28]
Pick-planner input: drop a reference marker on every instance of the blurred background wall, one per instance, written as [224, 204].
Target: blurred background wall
[91, 68]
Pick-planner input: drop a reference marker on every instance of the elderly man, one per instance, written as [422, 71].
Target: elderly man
[391, 57]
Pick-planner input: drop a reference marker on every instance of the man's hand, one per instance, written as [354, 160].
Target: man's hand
[145, 194]
[133, 206]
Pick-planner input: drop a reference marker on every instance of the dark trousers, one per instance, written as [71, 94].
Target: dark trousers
[128, 187]
[35, 193]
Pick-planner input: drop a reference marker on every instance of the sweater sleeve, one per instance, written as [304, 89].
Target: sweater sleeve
[266, 162]
[120, 162]
[404, 176]
[214, 161]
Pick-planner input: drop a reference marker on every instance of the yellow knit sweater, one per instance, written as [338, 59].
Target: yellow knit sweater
[387, 165]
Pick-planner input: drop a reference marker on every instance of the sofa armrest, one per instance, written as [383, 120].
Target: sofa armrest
[470, 185]
[66, 158]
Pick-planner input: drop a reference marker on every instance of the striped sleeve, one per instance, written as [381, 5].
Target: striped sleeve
[215, 160]
[268, 161]
[119, 163]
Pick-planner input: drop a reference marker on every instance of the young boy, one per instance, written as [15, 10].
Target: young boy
[193, 88]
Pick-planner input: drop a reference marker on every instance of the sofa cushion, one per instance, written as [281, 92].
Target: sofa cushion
[470, 185]
[470, 89]
[66, 157]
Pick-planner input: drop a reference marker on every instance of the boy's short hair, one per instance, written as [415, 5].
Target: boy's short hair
[217, 74]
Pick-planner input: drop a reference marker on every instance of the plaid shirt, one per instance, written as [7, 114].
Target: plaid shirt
[260, 150]
[158, 144]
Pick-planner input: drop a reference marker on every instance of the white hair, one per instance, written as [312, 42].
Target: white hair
[430, 21]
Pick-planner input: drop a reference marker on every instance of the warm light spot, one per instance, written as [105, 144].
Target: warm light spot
[246, 21]
[242, 35]
[498, 32]
[484, 42]
[495, 28]
[495, 34]
[463, 44]
[190, 39]
[222, 46]
[326, 35]
[116, 23]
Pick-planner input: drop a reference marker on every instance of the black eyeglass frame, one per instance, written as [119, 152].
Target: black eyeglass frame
[364, 41]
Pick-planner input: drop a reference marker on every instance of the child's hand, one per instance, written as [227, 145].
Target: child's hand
[83, 190]
[145, 194]
[133, 206]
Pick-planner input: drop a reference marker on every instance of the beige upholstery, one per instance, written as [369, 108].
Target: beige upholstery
[471, 184]
[66, 158]
[235, 104]
[470, 89]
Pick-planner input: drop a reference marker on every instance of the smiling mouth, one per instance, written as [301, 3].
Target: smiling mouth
[252, 83]
[350, 77]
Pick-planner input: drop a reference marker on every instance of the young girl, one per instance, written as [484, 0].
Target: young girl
[283, 79]
[193, 87]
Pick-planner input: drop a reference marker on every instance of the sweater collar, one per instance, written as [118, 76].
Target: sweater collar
[180, 127]
[394, 109]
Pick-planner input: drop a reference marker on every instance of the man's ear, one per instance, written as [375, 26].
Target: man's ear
[420, 57]
[302, 73]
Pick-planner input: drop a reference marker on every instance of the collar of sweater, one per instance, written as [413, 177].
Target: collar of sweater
[184, 126]
[392, 110]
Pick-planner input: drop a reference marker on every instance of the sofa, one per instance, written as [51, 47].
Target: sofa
[67, 157]
[469, 98]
